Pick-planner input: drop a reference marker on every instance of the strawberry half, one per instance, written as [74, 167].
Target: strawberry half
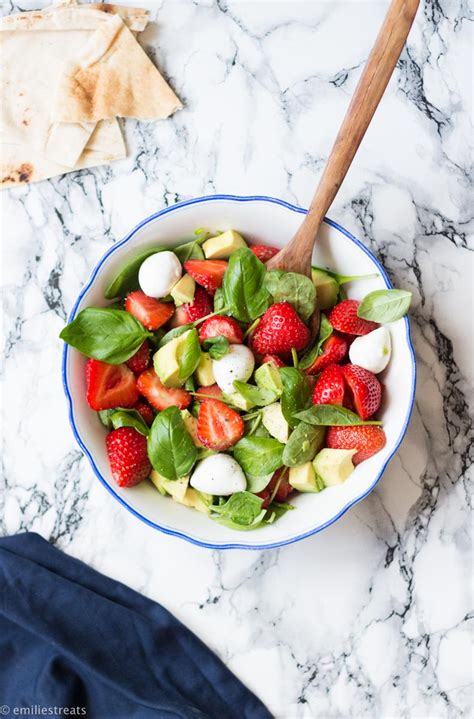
[219, 426]
[158, 395]
[221, 326]
[343, 318]
[199, 307]
[150, 312]
[264, 252]
[366, 439]
[365, 390]
[207, 273]
[330, 387]
[110, 385]
[280, 330]
[140, 361]
[334, 351]
[277, 361]
[213, 390]
[146, 411]
[128, 457]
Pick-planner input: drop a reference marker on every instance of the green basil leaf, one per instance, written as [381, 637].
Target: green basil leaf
[112, 336]
[277, 510]
[259, 455]
[296, 394]
[172, 334]
[129, 418]
[342, 279]
[294, 288]
[332, 415]
[385, 305]
[189, 355]
[219, 302]
[258, 396]
[325, 331]
[189, 251]
[170, 447]
[256, 484]
[127, 278]
[216, 346]
[242, 508]
[105, 417]
[243, 286]
[303, 444]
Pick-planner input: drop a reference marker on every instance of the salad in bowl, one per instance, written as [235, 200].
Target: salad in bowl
[207, 384]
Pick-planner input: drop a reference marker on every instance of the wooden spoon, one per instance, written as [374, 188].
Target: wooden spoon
[296, 255]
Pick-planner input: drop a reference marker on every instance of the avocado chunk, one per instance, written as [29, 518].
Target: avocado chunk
[167, 360]
[204, 373]
[197, 500]
[334, 466]
[274, 421]
[239, 401]
[158, 480]
[304, 479]
[267, 376]
[183, 291]
[175, 487]
[190, 422]
[222, 246]
[327, 288]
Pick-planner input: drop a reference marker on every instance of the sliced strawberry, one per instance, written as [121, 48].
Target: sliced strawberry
[365, 389]
[212, 391]
[110, 385]
[221, 326]
[264, 252]
[146, 411]
[343, 318]
[367, 439]
[128, 456]
[334, 351]
[277, 361]
[330, 387]
[207, 273]
[140, 361]
[219, 426]
[179, 318]
[280, 477]
[158, 395]
[198, 308]
[151, 313]
[279, 331]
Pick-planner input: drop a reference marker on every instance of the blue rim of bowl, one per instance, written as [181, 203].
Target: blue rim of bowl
[174, 532]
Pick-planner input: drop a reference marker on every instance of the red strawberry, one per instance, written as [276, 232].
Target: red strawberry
[279, 330]
[365, 388]
[330, 387]
[221, 326]
[219, 426]
[334, 351]
[140, 361]
[128, 457]
[110, 385]
[264, 252]
[284, 488]
[208, 273]
[146, 411]
[212, 391]
[199, 307]
[179, 318]
[159, 396]
[343, 318]
[273, 358]
[151, 313]
[367, 439]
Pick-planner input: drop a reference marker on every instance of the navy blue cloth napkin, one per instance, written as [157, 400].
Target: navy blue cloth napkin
[70, 637]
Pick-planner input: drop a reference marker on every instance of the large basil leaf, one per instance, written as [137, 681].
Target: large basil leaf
[257, 484]
[385, 305]
[129, 418]
[294, 288]
[112, 336]
[189, 251]
[331, 415]
[296, 394]
[243, 286]
[170, 447]
[242, 510]
[303, 444]
[189, 354]
[127, 278]
[325, 331]
[259, 455]
[257, 396]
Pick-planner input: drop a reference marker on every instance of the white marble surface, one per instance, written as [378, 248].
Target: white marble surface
[371, 617]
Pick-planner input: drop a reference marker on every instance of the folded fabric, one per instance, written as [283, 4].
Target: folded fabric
[70, 637]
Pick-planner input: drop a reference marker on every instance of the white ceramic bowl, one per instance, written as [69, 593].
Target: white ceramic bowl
[260, 220]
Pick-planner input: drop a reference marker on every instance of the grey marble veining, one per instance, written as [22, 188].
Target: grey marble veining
[371, 617]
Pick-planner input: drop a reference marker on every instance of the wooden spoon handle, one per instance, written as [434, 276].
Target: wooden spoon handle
[373, 81]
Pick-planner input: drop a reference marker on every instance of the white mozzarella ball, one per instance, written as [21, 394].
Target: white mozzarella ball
[372, 351]
[159, 273]
[238, 364]
[218, 474]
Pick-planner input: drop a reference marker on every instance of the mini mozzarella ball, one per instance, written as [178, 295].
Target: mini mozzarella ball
[372, 351]
[238, 364]
[218, 474]
[159, 273]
